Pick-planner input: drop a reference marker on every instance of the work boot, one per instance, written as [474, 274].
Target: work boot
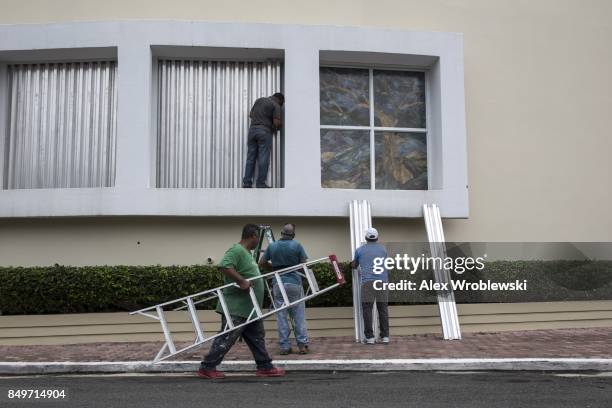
[211, 374]
[270, 372]
[303, 348]
[284, 352]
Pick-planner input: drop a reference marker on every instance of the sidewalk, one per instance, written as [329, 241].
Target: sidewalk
[583, 345]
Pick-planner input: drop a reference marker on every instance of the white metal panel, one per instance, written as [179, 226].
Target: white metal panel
[203, 121]
[62, 125]
[360, 219]
[446, 299]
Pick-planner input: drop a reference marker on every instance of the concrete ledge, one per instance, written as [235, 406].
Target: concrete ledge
[459, 364]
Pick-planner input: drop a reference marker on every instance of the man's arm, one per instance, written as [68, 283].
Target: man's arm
[355, 261]
[231, 273]
[264, 264]
[276, 122]
[276, 117]
[265, 260]
[303, 256]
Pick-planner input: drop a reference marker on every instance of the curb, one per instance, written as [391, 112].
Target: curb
[459, 364]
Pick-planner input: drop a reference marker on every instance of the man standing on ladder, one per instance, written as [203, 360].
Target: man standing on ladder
[282, 254]
[238, 265]
[265, 121]
[364, 259]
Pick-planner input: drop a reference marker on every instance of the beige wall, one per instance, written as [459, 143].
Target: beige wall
[322, 322]
[538, 98]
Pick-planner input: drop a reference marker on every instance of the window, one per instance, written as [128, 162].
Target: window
[61, 125]
[373, 129]
[203, 121]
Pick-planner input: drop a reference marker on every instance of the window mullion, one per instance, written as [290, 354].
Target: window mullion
[372, 145]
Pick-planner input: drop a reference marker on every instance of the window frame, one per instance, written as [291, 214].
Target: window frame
[372, 129]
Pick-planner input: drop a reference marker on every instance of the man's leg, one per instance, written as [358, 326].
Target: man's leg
[382, 304]
[249, 167]
[221, 345]
[298, 312]
[281, 321]
[367, 302]
[254, 336]
[264, 146]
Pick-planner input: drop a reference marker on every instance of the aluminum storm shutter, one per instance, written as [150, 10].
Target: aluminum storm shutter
[62, 125]
[203, 119]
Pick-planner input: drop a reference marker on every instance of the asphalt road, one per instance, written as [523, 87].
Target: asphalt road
[316, 390]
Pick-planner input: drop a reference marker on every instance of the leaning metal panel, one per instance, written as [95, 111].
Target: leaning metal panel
[446, 299]
[203, 121]
[360, 220]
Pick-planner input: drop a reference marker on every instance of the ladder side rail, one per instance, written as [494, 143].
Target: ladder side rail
[214, 290]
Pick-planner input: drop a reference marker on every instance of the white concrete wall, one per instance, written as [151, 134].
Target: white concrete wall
[538, 93]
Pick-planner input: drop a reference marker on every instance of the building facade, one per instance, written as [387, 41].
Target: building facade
[124, 127]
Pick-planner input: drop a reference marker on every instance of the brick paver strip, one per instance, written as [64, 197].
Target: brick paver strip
[592, 342]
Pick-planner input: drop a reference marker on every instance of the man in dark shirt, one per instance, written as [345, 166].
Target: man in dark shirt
[265, 121]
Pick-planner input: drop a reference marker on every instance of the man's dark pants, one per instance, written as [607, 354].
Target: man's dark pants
[253, 335]
[369, 296]
[259, 144]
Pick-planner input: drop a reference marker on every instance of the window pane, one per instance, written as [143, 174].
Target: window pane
[345, 158]
[344, 96]
[399, 99]
[401, 161]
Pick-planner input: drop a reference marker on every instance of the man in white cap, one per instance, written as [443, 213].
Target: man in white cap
[364, 259]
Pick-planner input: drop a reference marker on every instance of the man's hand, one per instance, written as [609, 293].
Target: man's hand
[244, 284]
[231, 273]
[276, 124]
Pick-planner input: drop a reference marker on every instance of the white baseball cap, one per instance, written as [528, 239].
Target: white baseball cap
[371, 233]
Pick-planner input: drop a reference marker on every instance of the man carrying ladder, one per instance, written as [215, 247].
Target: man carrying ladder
[238, 265]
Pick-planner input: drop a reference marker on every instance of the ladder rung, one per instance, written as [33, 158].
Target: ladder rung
[166, 329]
[194, 319]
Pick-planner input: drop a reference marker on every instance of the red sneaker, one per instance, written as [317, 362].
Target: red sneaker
[210, 374]
[271, 372]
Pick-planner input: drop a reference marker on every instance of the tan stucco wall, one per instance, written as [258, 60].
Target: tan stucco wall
[538, 98]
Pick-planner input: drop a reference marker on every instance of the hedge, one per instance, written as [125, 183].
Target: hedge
[70, 289]
[88, 289]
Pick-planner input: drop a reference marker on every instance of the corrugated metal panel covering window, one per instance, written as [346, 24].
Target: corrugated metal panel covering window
[203, 119]
[62, 125]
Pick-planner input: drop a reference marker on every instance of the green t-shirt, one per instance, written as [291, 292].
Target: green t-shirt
[238, 301]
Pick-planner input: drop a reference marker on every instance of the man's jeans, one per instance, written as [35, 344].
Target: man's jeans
[253, 335]
[259, 144]
[297, 314]
[369, 296]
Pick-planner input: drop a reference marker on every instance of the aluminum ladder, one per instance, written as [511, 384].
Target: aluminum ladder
[446, 299]
[188, 303]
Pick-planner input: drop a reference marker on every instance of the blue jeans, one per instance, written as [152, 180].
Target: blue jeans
[297, 314]
[259, 144]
